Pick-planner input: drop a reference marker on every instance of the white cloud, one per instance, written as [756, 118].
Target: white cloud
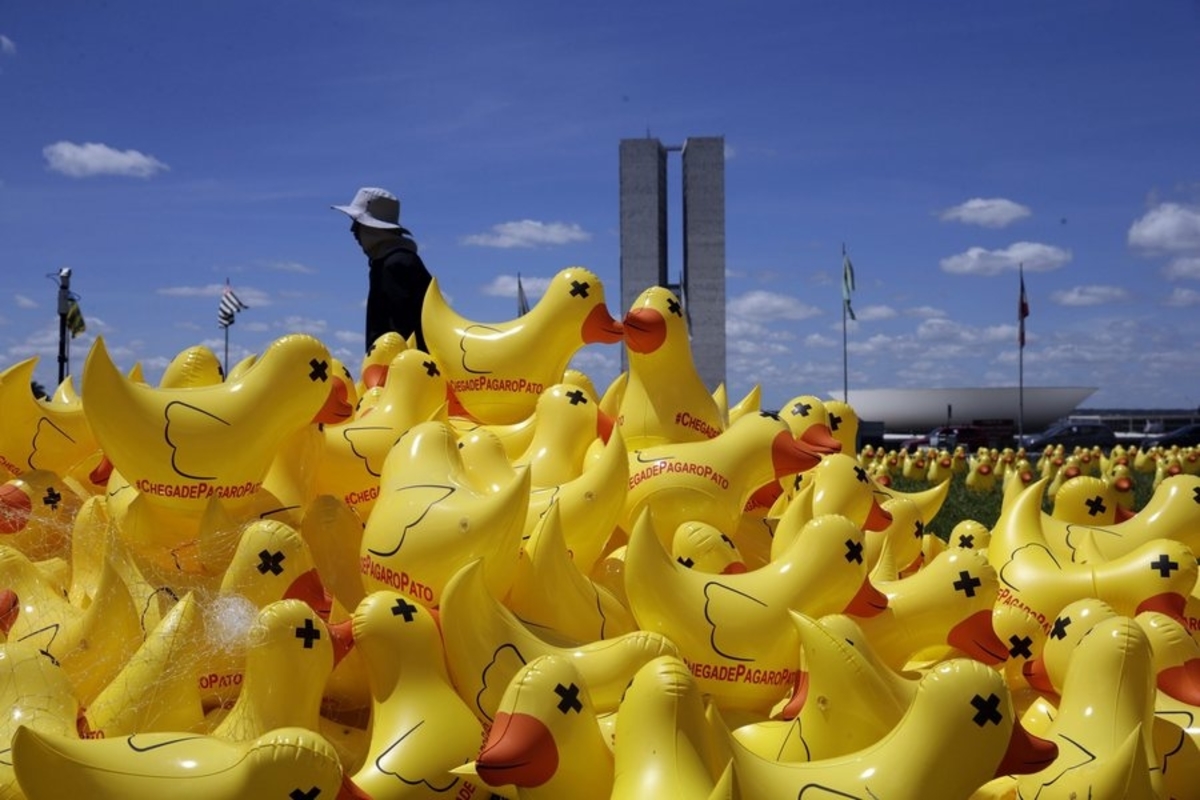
[529, 233]
[7, 46]
[24, 302]
[925, 311]
[766, 306]
[89, 159]
[978, 261]
[248, 295]
[506, 286]
[1183, 298]
[1090, 295]
[872, 313]
[729, 151]
[1186, 267]
[1169, 227]
[994, 212]
[291, 266]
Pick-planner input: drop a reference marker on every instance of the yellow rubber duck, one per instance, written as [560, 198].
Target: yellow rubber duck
[847, 698]
[704, 548]
[182, 447]
[981, 473]
[351, 456]
[1170, 513]
[290, 657]
[37, 695]
[191, 367]
[840, 485]
[497, 370]
[941, 467]
[431, 519]
[712, 480]
[567, 422]
[420, 728]
[486, 645]
[666, 746]
[1104, 746]
[963, 717]
[734, 630]
[946, 604]
[551, 592]
[158, 688]
[1156, 576]
[664, 401]
[545, 740]
[373, 370]
[40, 434]
[288, 762]
[33, 610]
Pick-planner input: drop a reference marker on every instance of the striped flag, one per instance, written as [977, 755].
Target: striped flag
[847, 282]
[522, 300]
[1022, 310]
[230, 305]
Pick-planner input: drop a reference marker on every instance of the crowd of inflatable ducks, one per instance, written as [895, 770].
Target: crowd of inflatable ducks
[465, 573]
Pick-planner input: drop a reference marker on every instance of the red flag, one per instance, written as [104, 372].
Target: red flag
[1022, 311]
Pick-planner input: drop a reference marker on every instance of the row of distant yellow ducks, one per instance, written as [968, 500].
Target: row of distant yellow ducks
[988, 469]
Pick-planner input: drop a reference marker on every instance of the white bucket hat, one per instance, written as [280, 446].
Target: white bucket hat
[375, 208]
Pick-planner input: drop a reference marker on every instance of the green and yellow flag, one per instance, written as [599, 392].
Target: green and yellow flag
[75, 323]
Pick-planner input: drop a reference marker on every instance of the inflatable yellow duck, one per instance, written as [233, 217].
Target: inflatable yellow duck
[288, 762]
[734, 629]
[666, 747]
[664, 401]
[1156, 576]
[962, 715]
[40, 434]
[1105, 747]
[351, 456]
[486, 645]
[712, 480]
[545, 740]
[420, 728]
[431, 519]
[181, 447]
[498, 370]
[946, 604]
[37, 695]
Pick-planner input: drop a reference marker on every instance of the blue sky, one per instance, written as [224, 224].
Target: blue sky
[160, 148]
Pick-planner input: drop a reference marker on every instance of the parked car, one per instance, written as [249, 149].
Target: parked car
[947, 437]
[968, 437]
[1187, 436]
[1072, 434]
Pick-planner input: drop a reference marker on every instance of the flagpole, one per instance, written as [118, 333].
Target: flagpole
[846, 278]
[1022, 312]
[226, 375]
[64, 301]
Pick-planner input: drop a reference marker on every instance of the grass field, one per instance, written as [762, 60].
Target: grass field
[963, 503]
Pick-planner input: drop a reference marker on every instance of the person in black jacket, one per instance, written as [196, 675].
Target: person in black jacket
[398, 277]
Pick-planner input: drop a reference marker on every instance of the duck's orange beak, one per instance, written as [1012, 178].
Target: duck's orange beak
[878, 518]
[795, 703]
[10, 607]
[867, 602]
[375, 375]
[1026, 753]
[1182, 681]
[1172, 604]
[519, 750]
[337, 408]
[790, 456]
[309, 588]
[600, 327]
[1035, 674]
[975, 637]
[342, 635]
[102, 472]
[604, 426]
[645, 330]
